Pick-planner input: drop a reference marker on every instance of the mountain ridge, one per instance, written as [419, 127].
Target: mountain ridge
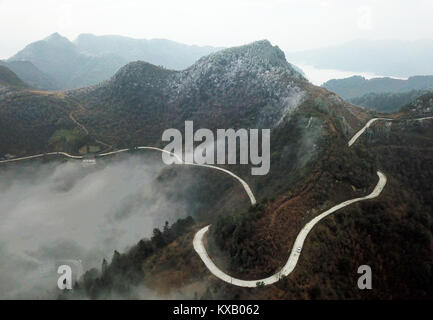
[253, 82]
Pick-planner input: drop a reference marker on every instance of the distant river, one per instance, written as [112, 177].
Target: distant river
[319, 76]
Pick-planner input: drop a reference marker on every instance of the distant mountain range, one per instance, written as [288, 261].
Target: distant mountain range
[160, 52]
[387, 101]
[9, 79]
[253, 84]
[92, 59]
[388, 58]
[380, 94]
[357, 86]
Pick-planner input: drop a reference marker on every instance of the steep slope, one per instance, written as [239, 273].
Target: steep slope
[268, 228]
[392, 234]
[249, 86]
[386, 101]
[10, 79]
[31, 75]
[28, 120]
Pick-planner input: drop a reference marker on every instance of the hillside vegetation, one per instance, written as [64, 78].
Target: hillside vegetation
[380, 94]
[387, 102]
[357, 86]
[31, 75]
[10, 79]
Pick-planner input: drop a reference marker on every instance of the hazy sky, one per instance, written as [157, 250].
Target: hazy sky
[291, 24]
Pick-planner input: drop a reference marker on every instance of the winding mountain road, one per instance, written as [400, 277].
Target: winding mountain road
[198, 244]
[300, 239]
[294, 255]
[67, 155]
[361, 132]
[369, 123]
[74, 120]
[181, 162]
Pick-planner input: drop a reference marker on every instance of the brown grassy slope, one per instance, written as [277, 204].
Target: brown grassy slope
[392, 234]
[267, 239]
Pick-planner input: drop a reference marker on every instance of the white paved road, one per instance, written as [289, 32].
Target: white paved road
[294, 255]
[241, 181]
[425, 118]
[369, 123]
[360, 132]
[42, 155]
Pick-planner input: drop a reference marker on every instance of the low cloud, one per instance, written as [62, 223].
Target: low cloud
[60, 211]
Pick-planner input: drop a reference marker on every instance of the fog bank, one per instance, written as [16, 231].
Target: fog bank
[61, 211]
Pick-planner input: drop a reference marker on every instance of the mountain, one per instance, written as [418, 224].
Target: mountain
[92, 59]
[10, 79]
[419, 107]
[61, 60]
[357, 86]
[385, 57]
[380, 94]
[251, 86]
[254, 84]
[30, 74]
